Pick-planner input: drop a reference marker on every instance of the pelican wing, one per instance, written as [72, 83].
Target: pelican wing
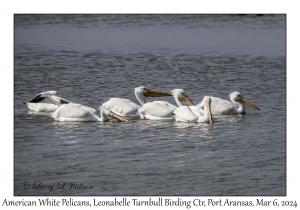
[42, 107]
[37, 99]
[156, 110]
[61, 100]
[121, 106]
[219, 106]
[164, 103]
[71, 111]
[185, 114]
[132, 103]
[41, 96]
[197, 111]
[91, 110]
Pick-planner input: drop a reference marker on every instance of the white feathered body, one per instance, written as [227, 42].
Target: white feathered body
[157, 110]
[75, 112]
[42, 107]
[162, 110]
[122, 107]
[190, 114]
[220, 106]
[40, 103]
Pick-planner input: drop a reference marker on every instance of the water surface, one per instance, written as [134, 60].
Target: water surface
[90, 58]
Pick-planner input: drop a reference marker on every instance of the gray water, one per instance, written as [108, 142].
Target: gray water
[90, 58]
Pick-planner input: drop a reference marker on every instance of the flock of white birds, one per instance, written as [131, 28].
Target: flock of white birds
[122, 109]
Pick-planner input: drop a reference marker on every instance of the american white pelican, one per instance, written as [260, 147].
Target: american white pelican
[162, 110]
[127, 108]
[46, 102]
[78, 112]
[195, 113]
[234, 106]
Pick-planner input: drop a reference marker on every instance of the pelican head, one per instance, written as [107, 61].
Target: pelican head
[142, 92]
[236, 96]
[151, 93]
[207, 109]
[180, 96]
[104, 113]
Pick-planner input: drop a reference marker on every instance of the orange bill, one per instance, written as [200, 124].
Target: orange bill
[186, 99]
[245, 101]
[156, 93]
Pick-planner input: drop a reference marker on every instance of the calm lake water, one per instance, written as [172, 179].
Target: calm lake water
[90, 58]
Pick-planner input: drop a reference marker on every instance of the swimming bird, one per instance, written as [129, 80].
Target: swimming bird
[234, 106]
[195, 113]
[46, 102]
[78, 112]
[127, 108]
[162, 110]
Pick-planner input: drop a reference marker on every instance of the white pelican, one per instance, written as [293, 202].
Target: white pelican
[234, 106]
[195, 113]
[46, 102]
[162, 110]
[127, 108]
[78, 112]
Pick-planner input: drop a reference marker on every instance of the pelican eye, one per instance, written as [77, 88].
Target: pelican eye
[182, 94]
